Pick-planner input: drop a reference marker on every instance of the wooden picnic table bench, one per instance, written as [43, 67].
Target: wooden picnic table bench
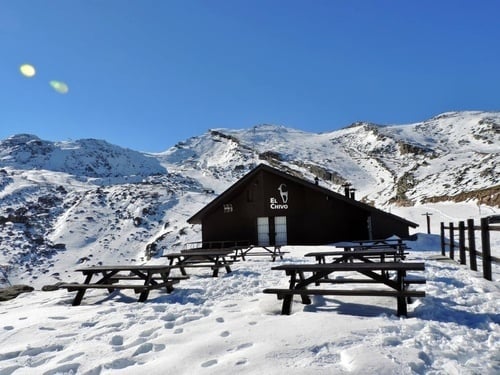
[111, 277]
[253, 251]
[213, 259]
[380, 241]
[377, 272]
[239, 248]
[216, 245]
[362, 255]
[388, 244]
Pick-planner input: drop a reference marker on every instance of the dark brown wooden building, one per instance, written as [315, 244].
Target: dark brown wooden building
[270, 207]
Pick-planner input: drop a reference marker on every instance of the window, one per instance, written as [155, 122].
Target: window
[250, 194]
[228, 208]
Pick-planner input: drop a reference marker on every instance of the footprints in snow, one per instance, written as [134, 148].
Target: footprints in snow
[209, 363]
[133, 349]
[223, 333]
[234, 350]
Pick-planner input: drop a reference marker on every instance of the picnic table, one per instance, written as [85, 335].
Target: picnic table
[217, 245]
[240, 248]
[273, 252]
[382, 244]
[214, 259]
[362, 255]
[376, 272]
[112, 278]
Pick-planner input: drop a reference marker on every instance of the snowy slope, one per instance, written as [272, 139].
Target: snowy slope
[226, 325]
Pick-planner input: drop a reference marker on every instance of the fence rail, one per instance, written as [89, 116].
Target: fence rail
[487, 226]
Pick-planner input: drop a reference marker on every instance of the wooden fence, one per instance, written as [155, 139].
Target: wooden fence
[487, 226]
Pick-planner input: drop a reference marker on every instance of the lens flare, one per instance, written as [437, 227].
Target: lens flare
[27, 70]
[59, 86]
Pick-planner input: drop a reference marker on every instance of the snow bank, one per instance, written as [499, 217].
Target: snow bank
[226, 324]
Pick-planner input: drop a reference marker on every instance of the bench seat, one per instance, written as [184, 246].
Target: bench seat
[156, 278]
[201, 261]
[265, 253]
[345, 292]
[406, 281]
[250, 253]
[348, 281]
[414, 280]
[204, 264]
[73, 287]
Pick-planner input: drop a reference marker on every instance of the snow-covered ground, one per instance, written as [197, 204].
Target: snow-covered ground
[225, 325]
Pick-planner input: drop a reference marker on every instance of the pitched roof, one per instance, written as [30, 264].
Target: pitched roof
[234, 189]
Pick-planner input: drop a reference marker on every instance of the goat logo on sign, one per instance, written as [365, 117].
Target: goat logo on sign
[273, 202]
[284, 193]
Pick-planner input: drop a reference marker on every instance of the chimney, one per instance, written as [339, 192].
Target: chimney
[352, 193]
[346, 189]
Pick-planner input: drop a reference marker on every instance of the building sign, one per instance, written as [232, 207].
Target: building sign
[281, 202]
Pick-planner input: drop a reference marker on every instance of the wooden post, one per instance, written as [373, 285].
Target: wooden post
[452, 242]
[472, 244]
[428, 215]
[443, 245]
[461, 241]
[486, 250]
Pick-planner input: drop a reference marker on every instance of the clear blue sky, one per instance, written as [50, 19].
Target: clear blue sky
[146, 74]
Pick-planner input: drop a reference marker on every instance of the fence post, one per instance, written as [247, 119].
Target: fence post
[472, 244]
[461, 241]
[485, 243]
[443, 245]
[452, 242]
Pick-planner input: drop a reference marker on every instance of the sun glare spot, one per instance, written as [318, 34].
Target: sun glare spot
[60, 87]
[27, 70]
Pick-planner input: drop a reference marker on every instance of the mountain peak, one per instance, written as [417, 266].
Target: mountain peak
[84, 158]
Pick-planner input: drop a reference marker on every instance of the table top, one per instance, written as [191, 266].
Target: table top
[198, 253]
[352, 253]
[379, 240]
[347, 245]
[126, 267]
[386, 266]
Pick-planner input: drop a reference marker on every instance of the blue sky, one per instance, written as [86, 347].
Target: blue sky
[146, 74]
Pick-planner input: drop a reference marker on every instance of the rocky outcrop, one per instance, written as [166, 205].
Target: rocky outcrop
[409, 148]
[489, 196]
[13, 291]
[322, 173]
[403, 185]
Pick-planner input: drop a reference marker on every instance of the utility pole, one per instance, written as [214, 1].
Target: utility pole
[428, 215]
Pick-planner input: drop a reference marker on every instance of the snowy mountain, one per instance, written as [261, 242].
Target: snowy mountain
[85, 158]
[446, 156]
[88, 201]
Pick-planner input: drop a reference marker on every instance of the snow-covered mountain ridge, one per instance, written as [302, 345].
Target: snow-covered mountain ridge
[86, 157]
[85, 201]
[407, 164]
